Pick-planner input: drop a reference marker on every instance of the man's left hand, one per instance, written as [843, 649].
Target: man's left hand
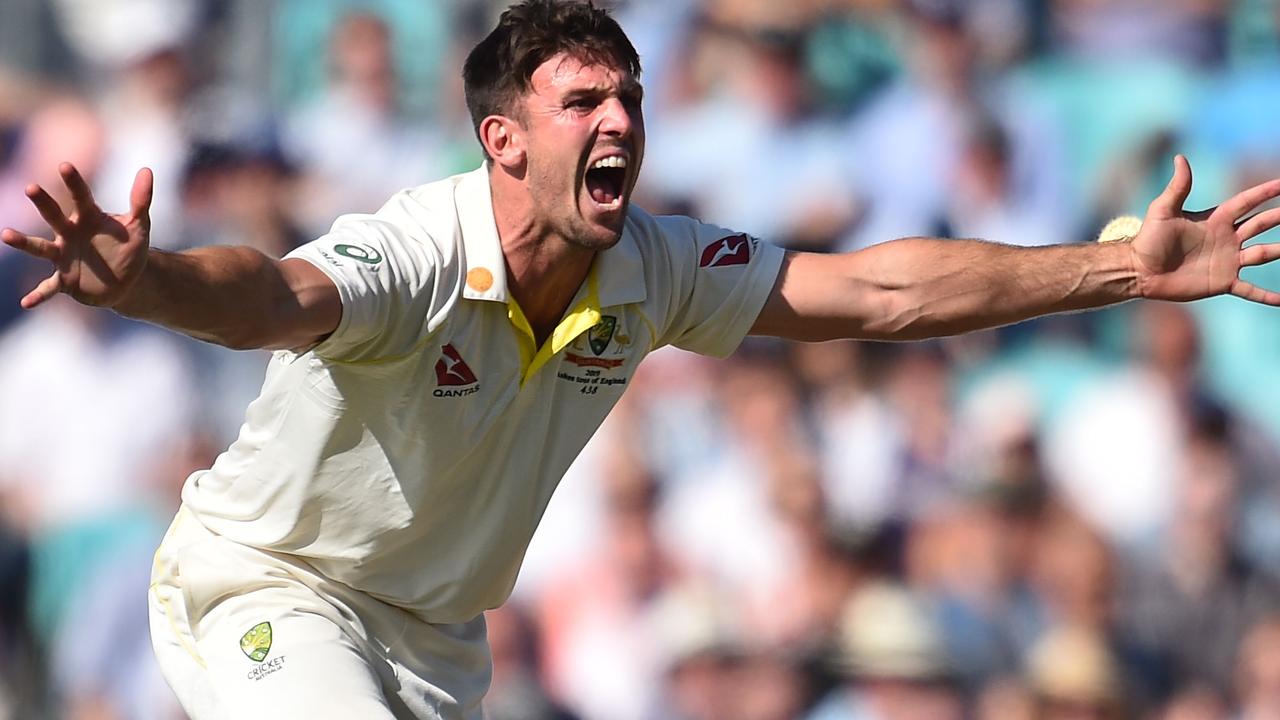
[1180, 255]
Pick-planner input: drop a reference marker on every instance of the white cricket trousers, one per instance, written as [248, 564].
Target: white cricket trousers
[240, 632]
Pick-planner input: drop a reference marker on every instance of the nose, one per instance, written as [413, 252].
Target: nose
[616, 119]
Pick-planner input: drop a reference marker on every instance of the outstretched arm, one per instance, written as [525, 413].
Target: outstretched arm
[919, 288]
[233, 296]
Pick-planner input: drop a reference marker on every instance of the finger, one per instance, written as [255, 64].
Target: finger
[1169, 203]
[45, 290]
[140, 195]
[1258, 224]
[80, 192]
[1259, 254]
[29, 244]
[48, 209]
[1252, 292]
[1244, 202]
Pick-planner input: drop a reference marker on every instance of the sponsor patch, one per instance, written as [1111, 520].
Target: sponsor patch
[363, 253]
[732, 250]
[453, 375]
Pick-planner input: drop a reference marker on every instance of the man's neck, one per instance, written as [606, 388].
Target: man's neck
[544, 271]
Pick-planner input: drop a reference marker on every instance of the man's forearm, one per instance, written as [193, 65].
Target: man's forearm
[937, 287]
[232, 296]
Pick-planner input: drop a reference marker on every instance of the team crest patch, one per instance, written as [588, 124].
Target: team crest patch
[601, 333]
[256, 643]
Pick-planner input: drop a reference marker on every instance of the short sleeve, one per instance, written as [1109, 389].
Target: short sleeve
[387, 283]
[720, 281]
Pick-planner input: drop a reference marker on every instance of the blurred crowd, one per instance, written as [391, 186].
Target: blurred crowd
[1076, 517]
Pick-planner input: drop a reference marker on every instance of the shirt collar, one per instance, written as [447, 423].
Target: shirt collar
[486, 277]
[620, 269]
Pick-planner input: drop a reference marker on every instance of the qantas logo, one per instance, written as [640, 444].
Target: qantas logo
[452, 372]
[733, 250]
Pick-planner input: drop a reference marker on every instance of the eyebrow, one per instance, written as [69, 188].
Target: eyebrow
[628, 88]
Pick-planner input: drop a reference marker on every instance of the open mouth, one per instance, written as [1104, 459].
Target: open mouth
[606, 180]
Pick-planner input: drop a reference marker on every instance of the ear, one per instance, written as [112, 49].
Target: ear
[503, 138]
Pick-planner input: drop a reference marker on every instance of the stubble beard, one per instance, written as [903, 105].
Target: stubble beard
[570, 220]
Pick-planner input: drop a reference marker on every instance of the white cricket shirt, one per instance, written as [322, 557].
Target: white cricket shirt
[411, 454]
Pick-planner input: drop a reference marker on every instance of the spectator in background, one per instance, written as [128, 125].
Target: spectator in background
[789, 187]
[860, 436]
[59, 125]
[701, 649]
[892, 657]
[905, 148]
[986, 201]
[1076, 676]
[237, 192]
[144, 112]
[599, 657]
[798, 612]
[1170, 346]
[918, 387]
[516, 691]
[747, 547]
[88, 514]
[1076, 576]
[424, 31]
[353, 143]
[1193, 604]
[1115, 477]
[974, 559]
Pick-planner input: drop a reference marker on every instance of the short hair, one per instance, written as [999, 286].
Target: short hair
[499, 68]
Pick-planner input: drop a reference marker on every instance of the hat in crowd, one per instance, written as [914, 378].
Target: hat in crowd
[1074, 665]
[690, 622]
[886, 632]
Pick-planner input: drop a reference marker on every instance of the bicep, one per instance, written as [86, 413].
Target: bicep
[824, 297]
[310, 307]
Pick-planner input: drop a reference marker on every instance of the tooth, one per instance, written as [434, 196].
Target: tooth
[613, 161]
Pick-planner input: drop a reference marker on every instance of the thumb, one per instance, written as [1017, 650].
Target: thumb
[1170, 202]
[140, 195]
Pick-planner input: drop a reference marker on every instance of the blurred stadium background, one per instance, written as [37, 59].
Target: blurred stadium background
[1071, 518]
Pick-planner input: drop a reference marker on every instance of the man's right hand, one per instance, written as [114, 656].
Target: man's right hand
[96, 256]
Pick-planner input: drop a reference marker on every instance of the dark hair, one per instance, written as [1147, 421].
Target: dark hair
[498, 69]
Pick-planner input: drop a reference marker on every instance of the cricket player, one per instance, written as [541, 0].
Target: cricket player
[440, 362]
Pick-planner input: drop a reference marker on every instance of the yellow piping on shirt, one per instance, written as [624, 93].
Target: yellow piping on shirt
[581, 318]
[653, 332]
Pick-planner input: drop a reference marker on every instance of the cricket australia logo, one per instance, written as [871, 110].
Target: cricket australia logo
[453, 376]
[601, 333]
[606, 338]
[256, 645]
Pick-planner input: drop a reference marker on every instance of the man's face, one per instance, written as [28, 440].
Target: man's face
[585, 140]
